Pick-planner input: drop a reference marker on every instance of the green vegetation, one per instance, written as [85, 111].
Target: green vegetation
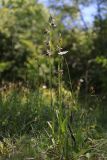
[52, 82]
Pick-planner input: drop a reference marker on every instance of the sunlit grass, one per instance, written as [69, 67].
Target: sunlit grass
[49, 121]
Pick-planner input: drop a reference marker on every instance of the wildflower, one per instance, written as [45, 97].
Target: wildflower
[44, 86]
[49, 52]
[60, 71]
[50, 19]
[81, 80]
[59, 48]
[53, 25]
[46, 31]
[62, 53]
[52, 22]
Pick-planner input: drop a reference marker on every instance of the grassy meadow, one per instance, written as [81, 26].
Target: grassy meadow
[53, 83]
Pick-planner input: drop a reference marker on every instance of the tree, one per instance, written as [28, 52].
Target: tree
[21, 30]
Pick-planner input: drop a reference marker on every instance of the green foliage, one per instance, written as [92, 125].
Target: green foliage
[29, 130]
[57, 110]
[21, 28]
[22, 110]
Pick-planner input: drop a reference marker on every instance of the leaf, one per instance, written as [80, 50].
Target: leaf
[102, 60]
[29, 44]
[50, 125]
[63, 125]
[4, 65]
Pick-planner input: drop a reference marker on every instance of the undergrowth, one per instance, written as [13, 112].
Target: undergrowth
[50, 122]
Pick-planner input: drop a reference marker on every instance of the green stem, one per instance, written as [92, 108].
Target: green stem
[68, 74]
[60, 98]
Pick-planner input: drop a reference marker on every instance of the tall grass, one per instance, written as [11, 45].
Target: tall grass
[49, 122]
